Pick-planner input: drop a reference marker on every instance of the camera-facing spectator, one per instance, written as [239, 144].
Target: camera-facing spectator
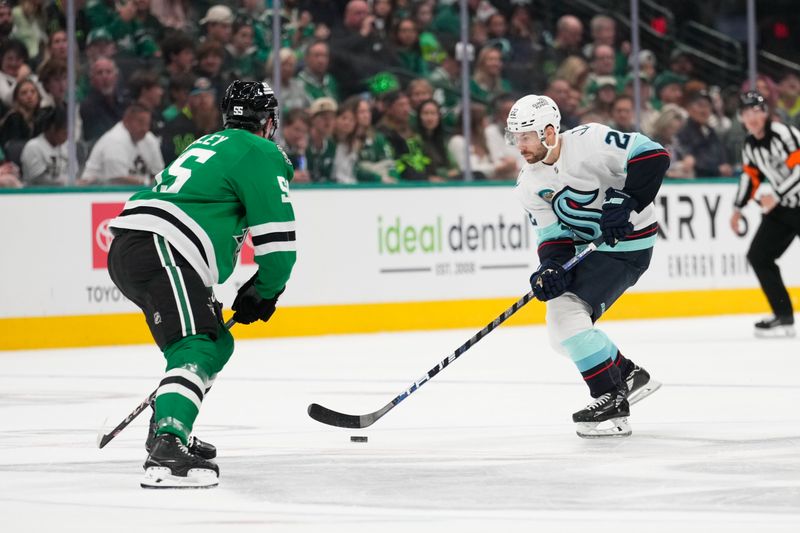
[13, 68]
[669, 89]
[566, 42]
[294, 130]
[440, 166]
[146, 90]
[218, 24]
[405, 39]
[19, 124]
[210, 59]
[344, 134]
[6, 21]
[177, 50]
[623, 114]
[317, 81]
[604, 95]
[698, 139]
[375, 159]
[418, 90]
[487, 81]
[44, 158]
[199, 117]
[29, 25]
[481, 162]
[127, 154]
[178, 95]
[56, 49]
[321, 147]
[243, 59]
[104, 105]
[559, 90]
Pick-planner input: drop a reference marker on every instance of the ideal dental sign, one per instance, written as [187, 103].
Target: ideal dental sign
[458, 235]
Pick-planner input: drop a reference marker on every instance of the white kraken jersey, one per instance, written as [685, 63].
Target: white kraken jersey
[565, 199]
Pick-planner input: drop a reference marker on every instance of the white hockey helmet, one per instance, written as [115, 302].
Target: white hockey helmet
[532, 113]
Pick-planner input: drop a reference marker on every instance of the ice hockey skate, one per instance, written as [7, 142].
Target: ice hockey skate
[640, 384]
[775, 327]
[604, 417]
[170, 465]
[202, 449]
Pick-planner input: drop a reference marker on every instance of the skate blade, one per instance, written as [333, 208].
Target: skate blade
[619, 428]
[644, 392]
[159, 477]
[779, 332]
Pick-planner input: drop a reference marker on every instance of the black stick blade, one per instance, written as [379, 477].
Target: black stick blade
[103, 440]
[332, 418]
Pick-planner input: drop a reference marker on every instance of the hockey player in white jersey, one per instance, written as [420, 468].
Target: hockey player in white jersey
[580, 185]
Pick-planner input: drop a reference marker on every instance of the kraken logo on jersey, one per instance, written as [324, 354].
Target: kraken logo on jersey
[570, 206]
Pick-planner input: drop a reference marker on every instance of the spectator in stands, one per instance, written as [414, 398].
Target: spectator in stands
[317, 81]
[665, 129]
[218, 24]
[344, 134]
[375, 159]
[431, 48]
[383, 12]
[358, 52]
[178, 92]
[9, 173]
[293, 94]
[405, 39]
[6, 22]
[56, 48]
[602, 67]
[789, 96]
[623, 116]
[575, 71]
[104, 105]
[507, 158]
[487, 81]
[53, 77]
[19, 125]
[418, 91]
[481, 163]
[440, 166]
[566, 42]
[603, 29]
[29, 25]
[178, 53]
[13, 68]
[669, 89]
[243, 56]
[647, 113]
[395, 125]
[147, 22]
[559, 91]
[321, 148]
[294, 129]
[127, 154]
[132, 38]
[647, 64]
[146, 90]
[44, 158]
[99, 43]
[56, 18]
[698, 139]
[199, 117]
[603, 98]
[210, 57]
[680, 63]
[446, 81]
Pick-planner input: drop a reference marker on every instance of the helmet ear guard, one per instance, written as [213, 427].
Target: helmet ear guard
[249, 105]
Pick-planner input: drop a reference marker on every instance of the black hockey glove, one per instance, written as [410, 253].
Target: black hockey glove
[615, 221]
[550, 281]
[249, 306]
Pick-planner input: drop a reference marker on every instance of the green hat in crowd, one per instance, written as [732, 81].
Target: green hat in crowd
[667, 78]
[99, 34]
[383, 82]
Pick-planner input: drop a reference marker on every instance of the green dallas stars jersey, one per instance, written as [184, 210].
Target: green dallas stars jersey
[205, 200]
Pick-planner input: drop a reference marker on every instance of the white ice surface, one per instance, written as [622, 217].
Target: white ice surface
[487, 445]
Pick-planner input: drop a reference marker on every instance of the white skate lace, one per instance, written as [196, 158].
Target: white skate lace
[599, 402]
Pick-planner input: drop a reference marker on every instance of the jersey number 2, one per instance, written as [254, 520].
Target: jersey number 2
[619, 138]
[181, 173]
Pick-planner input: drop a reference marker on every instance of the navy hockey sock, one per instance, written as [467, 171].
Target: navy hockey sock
[602, 378]
[624, 364]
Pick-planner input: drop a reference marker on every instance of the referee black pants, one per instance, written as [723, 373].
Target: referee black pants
[778, 229]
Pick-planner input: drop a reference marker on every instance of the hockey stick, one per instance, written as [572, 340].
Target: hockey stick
[334, 418]
[105, 438]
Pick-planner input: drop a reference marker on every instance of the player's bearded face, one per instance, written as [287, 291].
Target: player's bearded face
[529, 145]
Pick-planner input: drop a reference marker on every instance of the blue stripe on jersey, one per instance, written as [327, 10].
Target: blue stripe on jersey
[589, 348]
[642, 143]
[554, 231]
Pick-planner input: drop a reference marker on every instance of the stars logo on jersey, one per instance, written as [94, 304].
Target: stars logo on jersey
[570, 206]
[239, 242]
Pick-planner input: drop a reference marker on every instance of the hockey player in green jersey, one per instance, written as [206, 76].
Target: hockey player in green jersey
[174, 242]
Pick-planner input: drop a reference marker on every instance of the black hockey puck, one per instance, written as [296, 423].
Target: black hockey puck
[358, 439]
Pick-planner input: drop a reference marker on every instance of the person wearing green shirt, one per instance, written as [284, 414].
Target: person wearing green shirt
[175, 241]
[317, 82]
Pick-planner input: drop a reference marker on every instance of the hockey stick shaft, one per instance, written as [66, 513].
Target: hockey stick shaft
[105, 438]
[333, 418]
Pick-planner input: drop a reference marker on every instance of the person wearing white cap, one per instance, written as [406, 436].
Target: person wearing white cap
[219, 24]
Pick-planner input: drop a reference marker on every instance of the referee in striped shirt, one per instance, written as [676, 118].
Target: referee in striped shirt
[771, 175]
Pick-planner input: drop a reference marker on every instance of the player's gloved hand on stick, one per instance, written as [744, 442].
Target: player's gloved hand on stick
[615, 221]
[550, 281]
[249, 306]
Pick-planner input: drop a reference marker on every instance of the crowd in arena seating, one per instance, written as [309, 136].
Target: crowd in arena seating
[370, 91]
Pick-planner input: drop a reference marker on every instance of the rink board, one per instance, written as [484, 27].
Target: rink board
[370, 259]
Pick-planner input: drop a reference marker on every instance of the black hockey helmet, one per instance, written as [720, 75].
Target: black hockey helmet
[752, 99]
[249, 105]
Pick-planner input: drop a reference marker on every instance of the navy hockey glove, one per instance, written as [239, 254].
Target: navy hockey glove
[550, 281]
[615, 221]
[249, 306]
